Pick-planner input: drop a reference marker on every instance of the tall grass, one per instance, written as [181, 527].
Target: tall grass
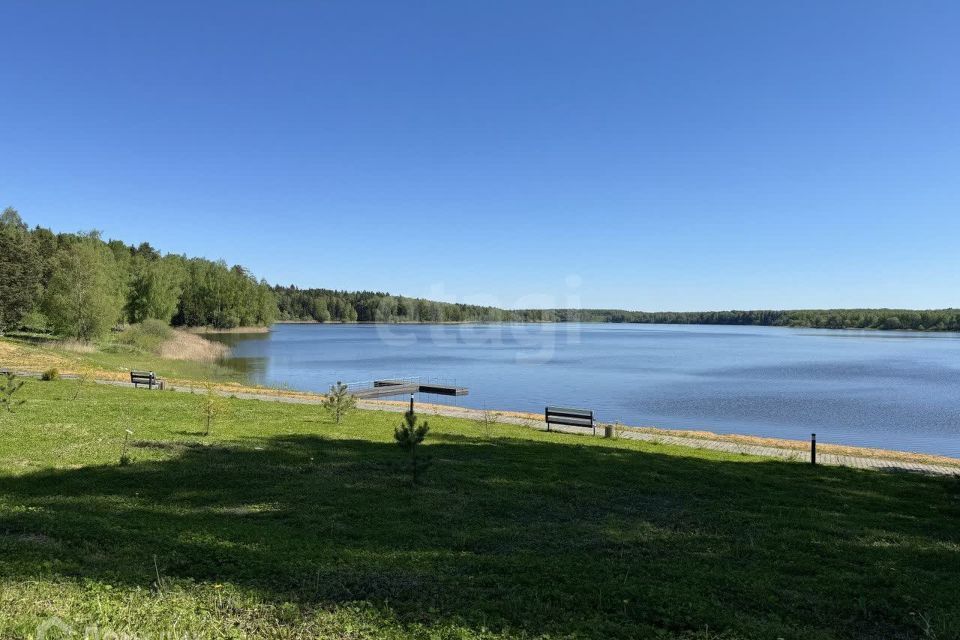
[72, 345]
[155, 337]
[189, 346]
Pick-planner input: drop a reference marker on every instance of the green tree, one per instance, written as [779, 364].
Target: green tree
[409, 435]
[218, 296]
[155, 289]
[20, 272]
[84, 298]
[339, 401]
[10, 219]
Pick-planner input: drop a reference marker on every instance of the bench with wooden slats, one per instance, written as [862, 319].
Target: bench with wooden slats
[569, 417]
[148, 378]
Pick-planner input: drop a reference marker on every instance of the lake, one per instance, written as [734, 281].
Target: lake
[895, 390]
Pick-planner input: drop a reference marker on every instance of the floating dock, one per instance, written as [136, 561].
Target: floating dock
[383, 388]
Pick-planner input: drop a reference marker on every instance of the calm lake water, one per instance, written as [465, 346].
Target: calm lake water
[883, 389]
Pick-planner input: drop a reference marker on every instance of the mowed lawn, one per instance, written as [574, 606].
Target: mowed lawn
[281, 524]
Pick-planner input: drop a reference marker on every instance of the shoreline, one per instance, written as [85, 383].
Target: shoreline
[32, 364]
[606, 322]
[692, 438]
[800, 446]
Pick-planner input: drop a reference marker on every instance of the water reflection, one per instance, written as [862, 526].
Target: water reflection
[253, 367]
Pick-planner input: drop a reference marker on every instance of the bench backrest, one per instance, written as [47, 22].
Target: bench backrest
[143, 376]
[569, 417]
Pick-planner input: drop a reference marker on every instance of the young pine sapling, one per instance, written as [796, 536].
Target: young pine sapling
[409, 435]
[212, 406]
[9, 385]
[487, 420]
[339, 401]
[124, 458]
[84, 378]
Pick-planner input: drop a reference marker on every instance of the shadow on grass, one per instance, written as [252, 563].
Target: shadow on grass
[188, 433]
[510, 534]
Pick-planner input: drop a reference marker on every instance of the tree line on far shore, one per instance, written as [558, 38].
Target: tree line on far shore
[326, 305]
[885, 319]
[77, 284]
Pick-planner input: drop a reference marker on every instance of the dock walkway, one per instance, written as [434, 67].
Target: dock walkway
[386, 388]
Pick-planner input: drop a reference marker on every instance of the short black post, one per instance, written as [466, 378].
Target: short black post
[813, 448]
[411, 403]
[546, 418]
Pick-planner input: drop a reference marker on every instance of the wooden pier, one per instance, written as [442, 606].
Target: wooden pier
[382, 388]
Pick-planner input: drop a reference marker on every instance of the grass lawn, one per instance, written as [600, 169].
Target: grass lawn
[282, 525]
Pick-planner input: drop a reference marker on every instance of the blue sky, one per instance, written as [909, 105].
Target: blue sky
[642, 155]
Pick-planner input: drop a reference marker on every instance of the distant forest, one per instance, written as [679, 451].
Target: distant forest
[326, 305]
[889, 319]
[77, 284]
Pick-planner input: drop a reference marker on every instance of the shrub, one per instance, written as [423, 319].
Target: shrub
[146, 336]
[35, 322]
[50, 375]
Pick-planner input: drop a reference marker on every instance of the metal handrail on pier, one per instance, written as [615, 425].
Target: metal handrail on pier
[402, 386]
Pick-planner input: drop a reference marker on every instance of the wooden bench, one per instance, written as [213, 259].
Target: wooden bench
[148, 378]
[570, 417]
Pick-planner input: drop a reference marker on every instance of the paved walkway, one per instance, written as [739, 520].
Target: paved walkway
[782, 453]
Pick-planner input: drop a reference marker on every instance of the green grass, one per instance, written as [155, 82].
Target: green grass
[283, 525]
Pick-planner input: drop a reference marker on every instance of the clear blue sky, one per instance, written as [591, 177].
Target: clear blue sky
[643, 155]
